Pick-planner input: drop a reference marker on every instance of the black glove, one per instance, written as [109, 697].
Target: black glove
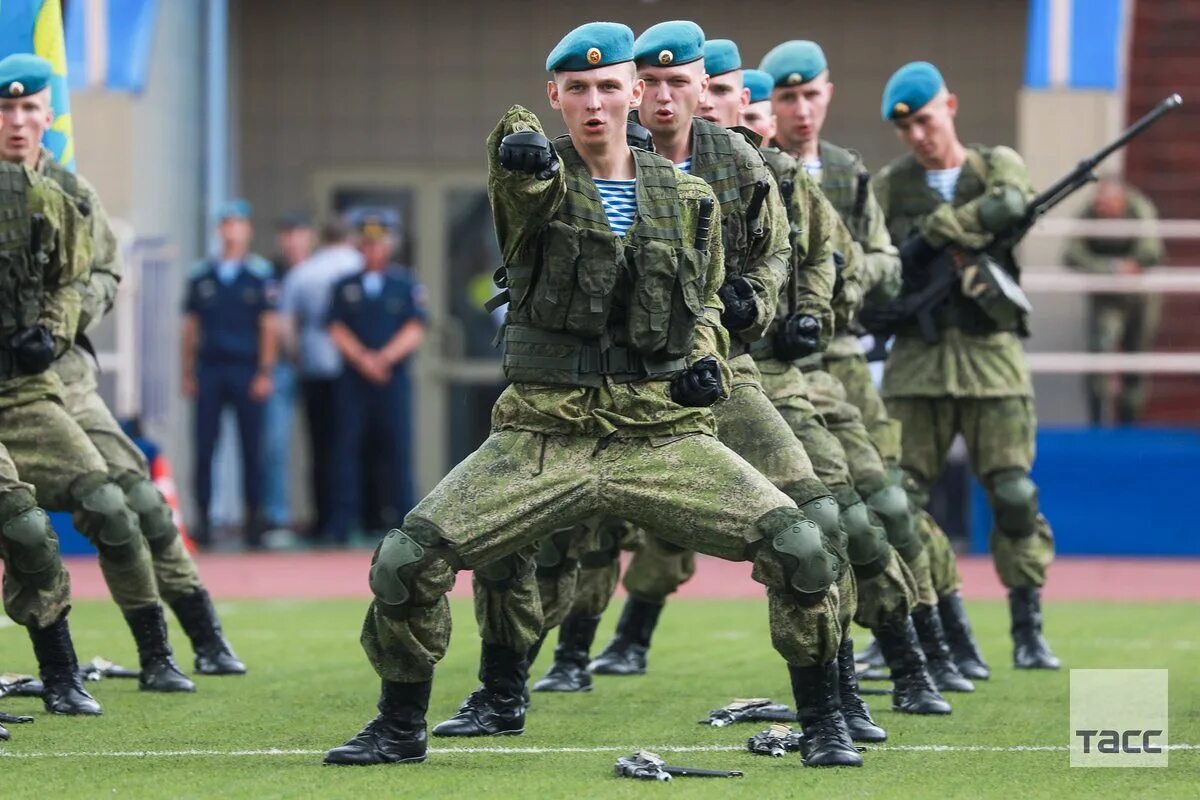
[799, 336]
[916, 255]
[884, 319]
[531, 152]
[737, 295]
[639, 136]
[698, 386]
[33, 349]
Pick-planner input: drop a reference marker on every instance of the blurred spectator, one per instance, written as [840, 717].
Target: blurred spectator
[377, 320]
[304, 307]
[228, 357]
[1118, 323]
[294, 243]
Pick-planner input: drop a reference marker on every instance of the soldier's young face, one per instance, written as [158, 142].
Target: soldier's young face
[760, 118]
[800, 110]
[1110, 201]
[727, 97]
[672, 96]
[929, 131]
[595, 102]
[25, 120]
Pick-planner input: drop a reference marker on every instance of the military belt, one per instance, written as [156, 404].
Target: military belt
[578, 362]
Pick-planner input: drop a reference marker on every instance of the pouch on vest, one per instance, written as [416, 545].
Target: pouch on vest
[601, 258]
[556, 282]
[666, 299]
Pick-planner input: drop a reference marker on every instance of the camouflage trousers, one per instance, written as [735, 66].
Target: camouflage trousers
[520, 485]
[937, 557]
[815, 406]
[999, 433]
[174, 569]
[68, 473]
[37, 589]
[1121, 324]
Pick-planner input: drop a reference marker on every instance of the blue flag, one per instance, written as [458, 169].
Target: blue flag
[36, 26]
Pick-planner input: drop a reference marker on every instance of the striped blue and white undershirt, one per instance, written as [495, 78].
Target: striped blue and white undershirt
[619, 199]
[685, 166]
[943, 181]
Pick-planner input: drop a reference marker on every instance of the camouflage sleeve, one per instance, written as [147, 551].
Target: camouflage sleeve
[1148, 251]
[1079, 256]
[70, 257]
[880, 267]
[767, 269]
[813, 252]
[711, 337]
[950, 225]
[521, 204]
[101, 288]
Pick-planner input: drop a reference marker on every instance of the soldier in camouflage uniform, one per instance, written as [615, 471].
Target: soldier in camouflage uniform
[1118, 322]
[175, 572]
[613, 342]
[973, 380]
[800, 98]
[49, 448]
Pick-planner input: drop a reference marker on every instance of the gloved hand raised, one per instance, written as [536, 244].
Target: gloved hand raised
[530, 152]
[698, 386]
[33, 349]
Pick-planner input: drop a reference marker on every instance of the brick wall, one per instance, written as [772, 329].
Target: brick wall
[1165, 163]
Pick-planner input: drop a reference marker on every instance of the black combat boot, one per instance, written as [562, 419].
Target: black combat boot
[569, 672]
[940, 665]
[826, 741]
[913, 690]
[872, 658]
[497, 708]
[62, 688]
[396, 736]
[963, 647]
[858, 717]
[214, 656]
[1030, 650]
[626, 653]
[160, 673]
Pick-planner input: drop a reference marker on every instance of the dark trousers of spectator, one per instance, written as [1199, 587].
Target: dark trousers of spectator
[321, 419]
[373, 429]
[220, 386]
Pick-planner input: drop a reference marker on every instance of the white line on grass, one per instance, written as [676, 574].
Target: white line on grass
[666, 748]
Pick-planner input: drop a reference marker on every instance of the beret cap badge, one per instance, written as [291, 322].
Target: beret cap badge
[900, 108]
[16, 89]
[795, 79]
[594, 55]
[666, 57]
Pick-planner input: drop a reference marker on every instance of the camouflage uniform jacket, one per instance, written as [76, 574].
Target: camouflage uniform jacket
[41, 288]
[963, 363]
[1100, 255]
[523, 207]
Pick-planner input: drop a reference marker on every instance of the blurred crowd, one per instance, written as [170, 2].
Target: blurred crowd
[322, 333]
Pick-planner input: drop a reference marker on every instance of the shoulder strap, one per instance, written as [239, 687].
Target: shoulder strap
[659, 211]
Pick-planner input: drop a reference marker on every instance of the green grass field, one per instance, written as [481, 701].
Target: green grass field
[310, 688]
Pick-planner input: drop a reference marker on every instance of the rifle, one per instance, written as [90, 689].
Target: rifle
[757, 709]
[945, 265]
[787, 188]
[860, 204]
[649, 766]
[775, 741]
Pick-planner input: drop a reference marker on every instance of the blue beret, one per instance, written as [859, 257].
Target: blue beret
[591, 46]
[669, 44]
[23, 74]
[721, 56]
[759, 83]
[795, 62]
[374, 222]
[238, 208]
[910, 88]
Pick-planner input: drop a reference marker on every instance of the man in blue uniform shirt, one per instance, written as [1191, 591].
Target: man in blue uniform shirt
[229, 345]
[376, 321]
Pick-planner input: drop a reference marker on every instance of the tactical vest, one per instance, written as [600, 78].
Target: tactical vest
[910, 199]
[785, 169]
[732, 177]
[844, 181]
[25, 247]
[585, 303]
[69, 181]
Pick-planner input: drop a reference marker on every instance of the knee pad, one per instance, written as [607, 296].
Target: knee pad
[393, 568]
[891, 505]
[824, 512]
[797, 544]
[867, 546]
[154, 515]
[554, 552]
[106, 518]
[1015, 503]
[31, 547]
